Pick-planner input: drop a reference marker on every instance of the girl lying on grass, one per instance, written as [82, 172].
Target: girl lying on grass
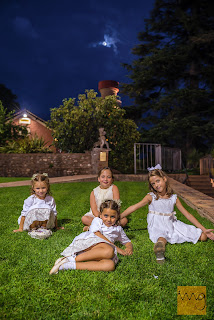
[163, 226]
[94, 250]
[39, 209]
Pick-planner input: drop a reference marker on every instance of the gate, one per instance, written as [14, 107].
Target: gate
[149, 154]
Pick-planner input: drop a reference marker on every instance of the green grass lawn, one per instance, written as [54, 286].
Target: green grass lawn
[10, 179]
[139, 288]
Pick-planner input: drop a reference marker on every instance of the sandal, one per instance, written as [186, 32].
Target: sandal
[57, 264]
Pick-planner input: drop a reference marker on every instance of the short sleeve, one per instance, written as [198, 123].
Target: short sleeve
[27, 204]
[96, 225]
[122, 237]
[53, 206]
[174, 197]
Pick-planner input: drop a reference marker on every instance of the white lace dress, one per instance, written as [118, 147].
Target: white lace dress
[100, 196]
[35, 209]
[88, 239]
[167, 226]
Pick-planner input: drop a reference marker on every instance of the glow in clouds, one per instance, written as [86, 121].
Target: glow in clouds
[108, 42]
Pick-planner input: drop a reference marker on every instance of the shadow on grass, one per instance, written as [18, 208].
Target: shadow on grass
[140, 229]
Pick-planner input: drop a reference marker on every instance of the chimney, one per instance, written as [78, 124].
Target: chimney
[109, 88]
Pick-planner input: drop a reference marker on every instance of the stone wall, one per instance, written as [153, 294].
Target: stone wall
[55, 164]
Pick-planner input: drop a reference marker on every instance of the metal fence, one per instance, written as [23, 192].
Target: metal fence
[149, 154]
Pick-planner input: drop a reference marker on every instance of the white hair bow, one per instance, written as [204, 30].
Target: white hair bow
[36, 174]
[158, 166]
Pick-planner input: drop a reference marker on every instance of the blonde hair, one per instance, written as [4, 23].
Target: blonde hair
[161, 174]
[111, 204]
[40, 177]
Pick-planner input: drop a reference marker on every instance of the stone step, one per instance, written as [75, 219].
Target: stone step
[202, 184]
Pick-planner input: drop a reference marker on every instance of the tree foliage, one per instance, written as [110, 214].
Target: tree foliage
[75, 127]
[26, 145]
[172, 80]
[8, 130]
[8, 99]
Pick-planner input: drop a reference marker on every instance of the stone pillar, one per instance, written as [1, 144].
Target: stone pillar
[99, 159]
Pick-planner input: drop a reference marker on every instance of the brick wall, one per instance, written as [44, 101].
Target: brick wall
[37, 127]
[55, 164]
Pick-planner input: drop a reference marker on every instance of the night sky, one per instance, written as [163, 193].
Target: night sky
[55, 49]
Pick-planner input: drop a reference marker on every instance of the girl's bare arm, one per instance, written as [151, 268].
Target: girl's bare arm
[193, 220]
[21, 225]
[116, 193]
[129, 248]
[93, 205]
[147, 199]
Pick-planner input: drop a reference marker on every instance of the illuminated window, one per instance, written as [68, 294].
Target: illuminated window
[24, 120]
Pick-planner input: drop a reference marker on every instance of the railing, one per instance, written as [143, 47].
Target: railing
[149, 154]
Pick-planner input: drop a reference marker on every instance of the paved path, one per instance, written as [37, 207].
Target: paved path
[75, 178]
[195, 199]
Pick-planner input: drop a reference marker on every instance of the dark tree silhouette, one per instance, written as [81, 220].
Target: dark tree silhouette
[8, 99]
[172, 79]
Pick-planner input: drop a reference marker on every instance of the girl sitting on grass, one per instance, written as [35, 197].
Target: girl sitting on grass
[163, 226]
[105, 191]
[94, 250]
[39, 209]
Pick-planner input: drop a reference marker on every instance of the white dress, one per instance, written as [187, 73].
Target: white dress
[100, 196]
[35, 209]
[167, 226]
[88, 239]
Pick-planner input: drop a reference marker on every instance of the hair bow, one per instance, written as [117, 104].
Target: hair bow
[45, 174]
[158, 166]
[36, 174]
[118, 202]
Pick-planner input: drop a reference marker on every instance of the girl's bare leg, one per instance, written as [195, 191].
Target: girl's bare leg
[102, 265]
[43, 223]
[98, 252]
[96, 258]
[34, 225]
[87, 220]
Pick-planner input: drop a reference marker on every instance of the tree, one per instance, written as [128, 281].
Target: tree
[9, 131]
[172, 80]
[75, 127]
[8, 99]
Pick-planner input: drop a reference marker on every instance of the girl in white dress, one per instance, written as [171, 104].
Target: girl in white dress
[94, 250]
[39, 210]
[163, 225]
[105, 191]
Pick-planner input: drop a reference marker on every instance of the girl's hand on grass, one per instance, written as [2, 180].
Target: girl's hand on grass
[209, 233]
[18, 230]
[58, 228]
[129, 251]
[121, 251]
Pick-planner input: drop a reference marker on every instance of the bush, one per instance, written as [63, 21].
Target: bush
[75, 127]
[26, 145]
